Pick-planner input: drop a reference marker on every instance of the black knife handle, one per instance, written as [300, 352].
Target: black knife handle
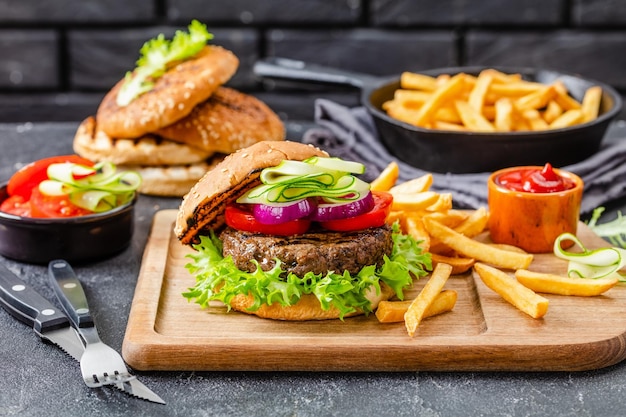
[70, 293]
[26, 305]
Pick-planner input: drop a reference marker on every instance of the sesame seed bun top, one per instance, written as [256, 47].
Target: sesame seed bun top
[173, 96]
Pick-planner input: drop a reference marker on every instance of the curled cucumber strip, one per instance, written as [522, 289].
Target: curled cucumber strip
[328, 178]
[98, 188]
[593, 264]
[336, 164]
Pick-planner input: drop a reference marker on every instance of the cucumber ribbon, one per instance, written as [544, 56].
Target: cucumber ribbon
[329, 178]
[98, 188]
[596, 263]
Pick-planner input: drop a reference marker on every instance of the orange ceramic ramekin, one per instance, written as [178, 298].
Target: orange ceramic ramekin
[532, 220]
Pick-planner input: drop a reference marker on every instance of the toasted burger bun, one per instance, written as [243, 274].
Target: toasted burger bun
[227, 121]
[173, 96]
[173, 180]
[148, 150]
[307, 308]
[202, 209]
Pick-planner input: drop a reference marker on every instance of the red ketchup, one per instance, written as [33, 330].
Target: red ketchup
[535, 180]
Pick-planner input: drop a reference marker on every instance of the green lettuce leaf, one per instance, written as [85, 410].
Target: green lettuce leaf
[217, 278]
[156, 54]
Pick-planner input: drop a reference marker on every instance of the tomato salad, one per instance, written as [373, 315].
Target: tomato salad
[68, 186]
[295, 194]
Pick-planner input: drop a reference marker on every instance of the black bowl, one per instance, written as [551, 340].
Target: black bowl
[466, 152]
[75, 239]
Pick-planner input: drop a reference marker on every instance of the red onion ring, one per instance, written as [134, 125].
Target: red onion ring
[326, 212]
[282, 212]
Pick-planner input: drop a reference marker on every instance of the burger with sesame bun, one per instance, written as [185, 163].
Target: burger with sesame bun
[283, 231]
[171, 118]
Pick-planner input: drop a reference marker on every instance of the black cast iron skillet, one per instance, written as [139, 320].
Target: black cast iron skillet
[463, 152]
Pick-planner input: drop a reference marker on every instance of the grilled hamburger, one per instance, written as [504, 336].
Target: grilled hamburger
[327, 253]
[171, 118]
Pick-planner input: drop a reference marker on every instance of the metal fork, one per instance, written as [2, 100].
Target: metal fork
[100, 364]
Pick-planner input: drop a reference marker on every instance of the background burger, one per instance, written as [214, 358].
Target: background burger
[172, 118]
[284, 231]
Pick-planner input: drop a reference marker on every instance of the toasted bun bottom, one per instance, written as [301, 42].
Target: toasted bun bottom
[308, 308]
[173, 180]
[149, 150]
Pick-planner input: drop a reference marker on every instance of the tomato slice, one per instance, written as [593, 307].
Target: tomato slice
[16, 205]
[29, 176]
[54, 206]
[376, 217]
[239, 218]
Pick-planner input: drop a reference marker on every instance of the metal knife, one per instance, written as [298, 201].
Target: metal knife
[25, 304]
[70, 293]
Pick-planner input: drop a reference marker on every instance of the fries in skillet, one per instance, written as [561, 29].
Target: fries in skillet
[491, 101]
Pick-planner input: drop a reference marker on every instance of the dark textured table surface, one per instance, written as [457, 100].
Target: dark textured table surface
[38, 379]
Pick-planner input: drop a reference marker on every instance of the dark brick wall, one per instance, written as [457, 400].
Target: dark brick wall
[58, 58]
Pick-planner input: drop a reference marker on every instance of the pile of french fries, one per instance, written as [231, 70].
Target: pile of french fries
[492, 101]
[450, 236]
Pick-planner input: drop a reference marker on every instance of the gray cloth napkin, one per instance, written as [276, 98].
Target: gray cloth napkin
[349, 133]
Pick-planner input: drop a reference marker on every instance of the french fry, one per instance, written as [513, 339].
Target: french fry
[459, 265]
[415, 228]
[473, 119]
[500, 77]
[510, 248]
[591, 103]
[440, 96]
[504, 115]
[447, 114]
[535, 120]
[556, 284]
[449, 126]
[569, 118]
[397, 216]
[451, 218]
[474, 224]
[416, 185]
[471, 248]
[387, 178]
[442, 79]
[416, 310]
[393, 311]
[477, 95]
[525, 299]
[413, 201]
[563, 98]
[552, 111]
[414, 81]
[443, 203]
[410, 98]
[536, 100]
[515, 89]
[400, 112]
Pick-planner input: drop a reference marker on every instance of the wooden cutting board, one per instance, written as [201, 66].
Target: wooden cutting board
[483, 332]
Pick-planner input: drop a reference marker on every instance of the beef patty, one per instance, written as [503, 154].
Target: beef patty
[318, 251]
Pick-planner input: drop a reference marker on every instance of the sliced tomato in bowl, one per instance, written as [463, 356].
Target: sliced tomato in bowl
[29, 176]
[16, 205]
[42, 205]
